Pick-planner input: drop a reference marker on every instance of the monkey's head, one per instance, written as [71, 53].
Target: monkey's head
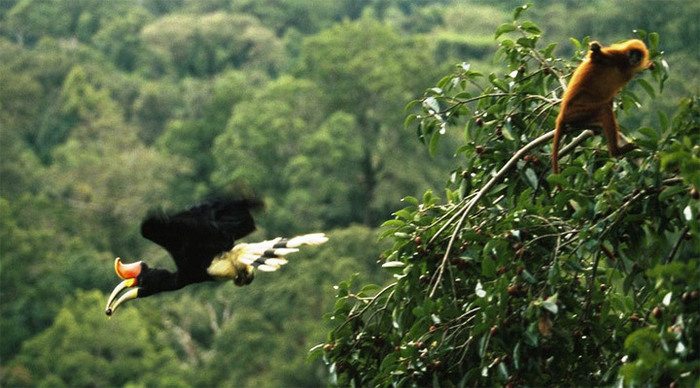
[631, 56]
[636, 54]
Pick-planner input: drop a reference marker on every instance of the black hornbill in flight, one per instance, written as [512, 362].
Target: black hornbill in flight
[201, 242]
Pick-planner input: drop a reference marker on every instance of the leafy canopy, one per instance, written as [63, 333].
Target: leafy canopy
[512, 280]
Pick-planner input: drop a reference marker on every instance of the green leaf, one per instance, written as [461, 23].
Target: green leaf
[402, 235]
[519, 10]
[663, 120]
[444, 81]
[532, 178]
[498, 83]
[577, 44]
[504, 28]
[647, 87]
[433, 145]
[651, 134]
[393, 224]
[409, 120]
[670, 191]
[484, 344]
[507, 133]
[654, 40]
[527, 276]
[549, 50]
[411, 105]
[503, 370]
[530, 337]
[530, 27]
[507, 43]
[551, 304]
[412, 200]
[429, 198]
[404, 213]
[462, 96]
[488, 267]
[526, 42]
[389, 361]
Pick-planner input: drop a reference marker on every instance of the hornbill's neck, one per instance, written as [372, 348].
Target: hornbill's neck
[156, 280]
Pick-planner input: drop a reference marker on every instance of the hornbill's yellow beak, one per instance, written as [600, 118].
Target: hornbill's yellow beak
[130, 273]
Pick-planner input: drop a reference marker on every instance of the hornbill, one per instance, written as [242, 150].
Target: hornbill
[201, 242]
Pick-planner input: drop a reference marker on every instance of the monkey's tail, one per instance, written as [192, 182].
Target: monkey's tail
[555, 149]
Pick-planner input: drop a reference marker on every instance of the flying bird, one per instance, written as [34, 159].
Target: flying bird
[201, 241]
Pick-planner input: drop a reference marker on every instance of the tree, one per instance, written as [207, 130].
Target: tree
[366, 69]
[312, 195]
[301, 15]
[119, 39]
[95, 351]
[40, 262]
[264, 134]
[103, 169]
[587, 277]
[29, 20]
[202, 45]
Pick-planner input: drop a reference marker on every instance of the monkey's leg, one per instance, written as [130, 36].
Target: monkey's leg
[617, 144]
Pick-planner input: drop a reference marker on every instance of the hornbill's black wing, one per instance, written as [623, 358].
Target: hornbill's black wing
[195, 236]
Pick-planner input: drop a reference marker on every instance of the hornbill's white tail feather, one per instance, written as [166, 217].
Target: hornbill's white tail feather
[307, 239]
[266, 256]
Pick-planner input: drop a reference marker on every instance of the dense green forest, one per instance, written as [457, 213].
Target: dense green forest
[108, 109]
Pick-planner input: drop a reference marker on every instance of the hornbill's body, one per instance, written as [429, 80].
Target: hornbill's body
[201, 242]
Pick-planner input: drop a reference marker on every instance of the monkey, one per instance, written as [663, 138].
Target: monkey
[588, 100]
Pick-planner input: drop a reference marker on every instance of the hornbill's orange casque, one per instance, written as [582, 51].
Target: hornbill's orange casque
[201, 242]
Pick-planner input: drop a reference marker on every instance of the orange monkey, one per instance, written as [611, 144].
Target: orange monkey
[588, 100]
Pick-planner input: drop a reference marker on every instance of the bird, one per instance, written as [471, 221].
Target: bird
[201, 241]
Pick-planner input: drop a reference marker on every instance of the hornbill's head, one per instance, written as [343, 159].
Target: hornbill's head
[139, 281]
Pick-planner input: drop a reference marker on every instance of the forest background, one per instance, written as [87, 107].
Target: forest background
[108, 109]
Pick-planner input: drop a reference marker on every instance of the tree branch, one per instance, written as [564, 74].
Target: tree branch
[485, 189]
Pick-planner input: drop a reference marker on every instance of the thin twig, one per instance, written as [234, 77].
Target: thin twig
[458, 102]
[674, 250]
[575, 142]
